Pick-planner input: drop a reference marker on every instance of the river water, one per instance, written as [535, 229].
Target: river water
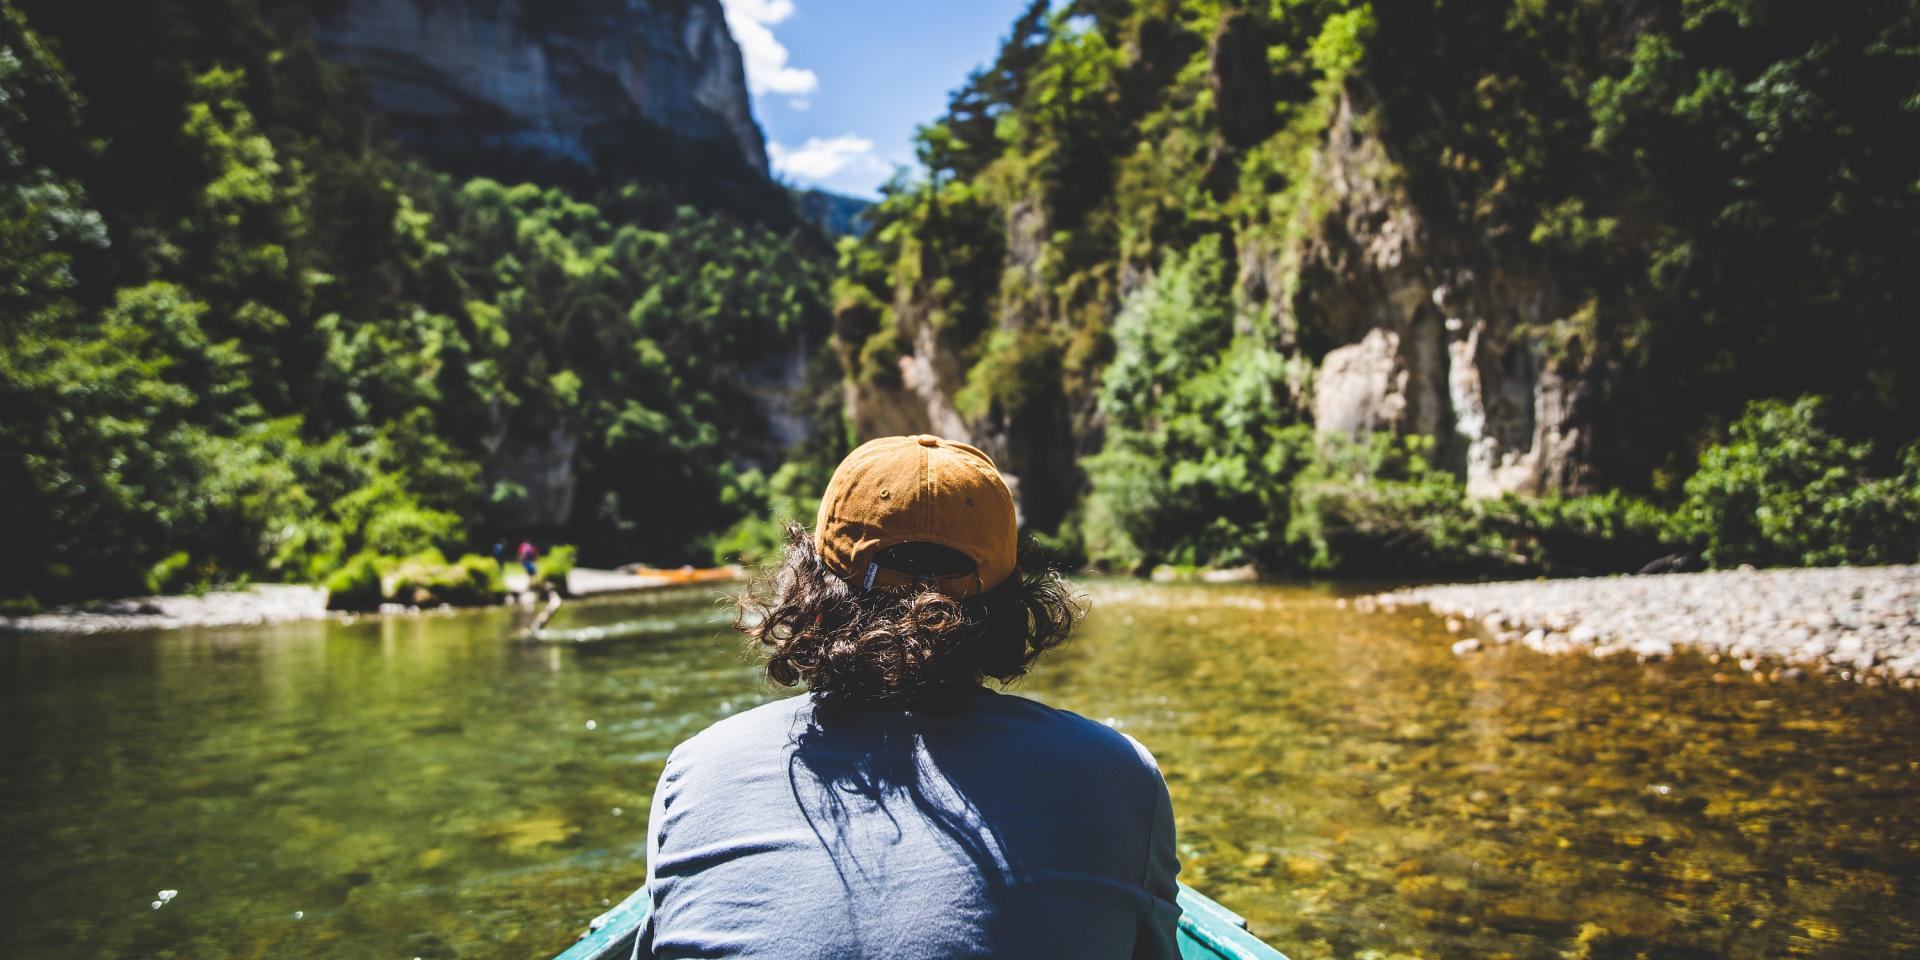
[425, 787]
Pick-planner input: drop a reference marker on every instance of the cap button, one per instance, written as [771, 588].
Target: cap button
[927, 441]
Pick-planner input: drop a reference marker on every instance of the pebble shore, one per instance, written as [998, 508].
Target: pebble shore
[279, 603]
[1855, 623]
[264, 603]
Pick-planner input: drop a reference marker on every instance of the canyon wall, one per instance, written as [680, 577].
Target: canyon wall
[1415, 332]
[547, 77]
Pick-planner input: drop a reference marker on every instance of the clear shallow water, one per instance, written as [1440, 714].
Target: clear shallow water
[425, 787]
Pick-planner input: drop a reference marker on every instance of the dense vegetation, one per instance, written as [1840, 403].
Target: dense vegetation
[241, 337]
[1127, 226]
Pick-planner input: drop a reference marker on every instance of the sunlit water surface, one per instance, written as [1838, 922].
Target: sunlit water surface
[426, 787]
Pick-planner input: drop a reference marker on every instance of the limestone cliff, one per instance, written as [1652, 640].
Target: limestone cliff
[546, 77]
[1415, 332]
[1564, 246]
[1403, 327]
[563, 80]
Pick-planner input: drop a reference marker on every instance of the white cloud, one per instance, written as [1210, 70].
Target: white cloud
[766, 11]
[799, 104]
[766, 57]
[818, 159]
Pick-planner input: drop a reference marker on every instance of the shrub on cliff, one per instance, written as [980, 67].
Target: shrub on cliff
[404, 529]
[427, 579]
[553, 566]
[481, 582]
[1200, 441]
[1609, 532]
[1381, 508]
[768, 504]
[356, 585]
[171, 574]
[1782, 490]
[424, 579]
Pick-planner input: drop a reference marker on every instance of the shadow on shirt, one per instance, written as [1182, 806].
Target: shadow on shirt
[875, 783]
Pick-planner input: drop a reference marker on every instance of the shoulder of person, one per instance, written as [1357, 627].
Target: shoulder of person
[758, 728]
[1094, 735]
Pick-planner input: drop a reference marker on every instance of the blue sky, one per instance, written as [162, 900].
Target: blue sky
[839, 85]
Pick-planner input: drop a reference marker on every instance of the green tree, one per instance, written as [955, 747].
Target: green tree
[273, 344]
[1782, 490]
[1198, 444]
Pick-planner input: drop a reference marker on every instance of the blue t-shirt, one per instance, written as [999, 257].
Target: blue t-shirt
[999, 827]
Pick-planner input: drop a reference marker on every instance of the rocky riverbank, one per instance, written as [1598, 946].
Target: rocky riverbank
[263, 603]
[1857, 623]
[277, 603]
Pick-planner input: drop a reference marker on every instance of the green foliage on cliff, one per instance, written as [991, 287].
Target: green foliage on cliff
[1383, 507]
[424, 579]
[1151, 222]
[1783, 490]
[235, 324]
[355, 584]
[770, 503]
[554, 565]
[1200, 437]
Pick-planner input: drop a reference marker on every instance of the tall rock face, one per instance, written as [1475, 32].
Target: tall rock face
[547, 77]
[1563, 245]
[1404, 327]
[1416, 331]
[919, 388]
[472, 83]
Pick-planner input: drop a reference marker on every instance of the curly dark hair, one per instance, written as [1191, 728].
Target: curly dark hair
[899, 650]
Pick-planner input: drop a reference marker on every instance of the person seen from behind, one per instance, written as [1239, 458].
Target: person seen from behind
[900, 808]
[528, 554]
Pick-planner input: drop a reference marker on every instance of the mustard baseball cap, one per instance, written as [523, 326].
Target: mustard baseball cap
[919, 489]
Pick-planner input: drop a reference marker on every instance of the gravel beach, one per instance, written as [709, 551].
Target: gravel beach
[276, 603]
[264, 603]
[1858, 623]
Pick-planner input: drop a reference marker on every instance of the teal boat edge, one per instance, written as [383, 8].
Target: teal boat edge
[610, 935]
[1208, 931]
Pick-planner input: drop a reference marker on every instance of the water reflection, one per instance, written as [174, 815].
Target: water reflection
[427, 787]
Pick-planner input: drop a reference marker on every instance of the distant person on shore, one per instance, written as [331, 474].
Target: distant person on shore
[901, 809]
[500, 554]
[528, 554]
